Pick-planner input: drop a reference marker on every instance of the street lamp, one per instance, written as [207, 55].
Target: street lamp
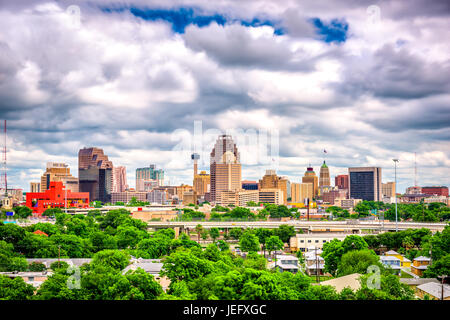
[395, 172]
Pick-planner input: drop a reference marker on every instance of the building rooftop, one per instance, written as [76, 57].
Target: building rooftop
[422, 258]
[149, 267]
[417, 281]
[389, 258]
[435, 289]
[351, 281]
[391, 252]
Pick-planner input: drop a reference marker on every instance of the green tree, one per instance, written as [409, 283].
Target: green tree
[36, 267]
[274, 243]
[15, 289]
[182, 265]
[112, 259]
[249, 242]
[284, 232]
[199, 230]
[357, 261]
[438, 268]
[236, 233]
[22, 212]
[214, 233]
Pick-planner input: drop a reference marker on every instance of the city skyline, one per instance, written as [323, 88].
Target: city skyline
[327, 76]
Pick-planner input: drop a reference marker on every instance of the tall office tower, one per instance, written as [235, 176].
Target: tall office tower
[341, 181]
[324, 175]
[202, 181]
[58, 172]
[310, 177]
[95, 174]
[365, 183]
[271, 181]
[148, 173]
[225, 167]
[388, 189]
[300, 191]
[35, 187]
[119, 179]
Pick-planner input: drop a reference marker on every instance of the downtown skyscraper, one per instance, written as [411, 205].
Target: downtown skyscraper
[95, 174]
[225, 167]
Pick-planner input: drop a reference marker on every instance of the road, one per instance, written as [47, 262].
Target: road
[349, 226]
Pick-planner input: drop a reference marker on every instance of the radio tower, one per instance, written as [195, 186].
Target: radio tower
[4, 179]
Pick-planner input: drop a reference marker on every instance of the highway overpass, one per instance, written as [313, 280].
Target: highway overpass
[313, 226]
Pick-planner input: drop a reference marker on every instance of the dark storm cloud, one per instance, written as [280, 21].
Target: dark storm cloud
[395, 73]
[234, 46]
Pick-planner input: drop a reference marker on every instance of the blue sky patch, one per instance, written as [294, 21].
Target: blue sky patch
[180, 18]
[334, 31]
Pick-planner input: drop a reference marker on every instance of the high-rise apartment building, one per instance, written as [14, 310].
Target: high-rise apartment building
[148, 173]
[271, 181]
[341, 181]
[365, 183]
[95, 174]
[310, 177]
[301, 191]
[388, 189]
[324, 175]
[58, 172]
[225, 167]
[119, 179]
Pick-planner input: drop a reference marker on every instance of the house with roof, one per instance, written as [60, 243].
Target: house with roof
[419, 265]
[349, 281]
[436, 291]
[315, 264]
[286, 263]
[77, 262]
[151, 266]
[404, 262]
[41, 233]
[391, 262]
[33, 278]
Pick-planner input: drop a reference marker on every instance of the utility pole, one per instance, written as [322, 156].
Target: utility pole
[317, 265]
[442, 287]
[395, 172]
[59, 255]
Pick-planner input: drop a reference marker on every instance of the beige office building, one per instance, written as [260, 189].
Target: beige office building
[58, 172]
[310, 177]
[119, 179]
[324, 179]
[388, 189]
[300, 191]
[225, 167]
[35, 187]
[271, 181]
[126, 196]
[202, 183]
[272, 196]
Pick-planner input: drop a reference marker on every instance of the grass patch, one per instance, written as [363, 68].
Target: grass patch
[405, 275]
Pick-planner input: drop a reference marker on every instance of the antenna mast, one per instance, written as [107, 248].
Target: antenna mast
[415, 170]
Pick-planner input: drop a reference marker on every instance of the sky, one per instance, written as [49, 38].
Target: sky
[366, 81]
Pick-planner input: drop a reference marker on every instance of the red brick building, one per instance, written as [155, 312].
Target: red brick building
[55, 197]
[438, 191]
[341, 181]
